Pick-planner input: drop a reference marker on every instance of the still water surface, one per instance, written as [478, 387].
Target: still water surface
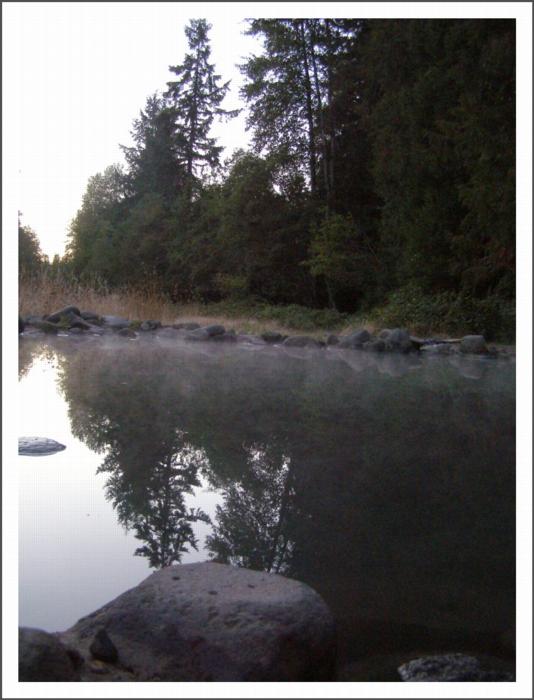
[385, 482]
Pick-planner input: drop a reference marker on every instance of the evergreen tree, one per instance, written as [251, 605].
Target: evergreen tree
[195, 99]
[30, 254]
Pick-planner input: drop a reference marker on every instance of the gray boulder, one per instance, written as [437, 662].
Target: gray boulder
[331, 339]
[199, 335]
[213, 622]
[473, 345]
[42, 657]
[450, 668]
[355, 339]
[377, 345]
[273, 337]
[45, 326]
[67, 311]
[214, 329]
[39, 446]
[301, 341]
[90, 316]
[150, 325]
[115, 322]
[396, 339]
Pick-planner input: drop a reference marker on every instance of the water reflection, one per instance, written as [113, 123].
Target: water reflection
[387, 483]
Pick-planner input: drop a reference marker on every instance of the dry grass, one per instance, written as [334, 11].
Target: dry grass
[44, 294]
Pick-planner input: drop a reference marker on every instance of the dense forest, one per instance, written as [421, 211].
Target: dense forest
[381, 171]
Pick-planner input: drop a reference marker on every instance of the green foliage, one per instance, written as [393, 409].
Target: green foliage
[455, 313]
[383, 161]
[30, 255]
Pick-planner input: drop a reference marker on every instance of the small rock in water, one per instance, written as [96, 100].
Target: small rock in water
[21, 325]
[39, 446]
[301, 341]
[449, 668]
[102, 648]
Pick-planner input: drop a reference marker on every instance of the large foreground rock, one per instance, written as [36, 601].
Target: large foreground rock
[42, 657]
[213, 622]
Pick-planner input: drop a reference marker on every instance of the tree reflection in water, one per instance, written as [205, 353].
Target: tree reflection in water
[252, 528]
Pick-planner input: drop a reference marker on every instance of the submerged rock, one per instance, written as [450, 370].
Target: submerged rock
[214, 622]
[450, 668]
[42, 657]
[39, 446]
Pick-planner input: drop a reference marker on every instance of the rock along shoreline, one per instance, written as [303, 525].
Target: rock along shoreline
[72, 321]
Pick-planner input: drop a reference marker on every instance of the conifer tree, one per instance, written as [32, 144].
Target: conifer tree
[195, 99]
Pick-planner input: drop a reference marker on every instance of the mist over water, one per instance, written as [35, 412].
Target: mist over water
[386, 482]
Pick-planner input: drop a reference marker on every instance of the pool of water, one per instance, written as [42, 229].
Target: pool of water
[385, 482]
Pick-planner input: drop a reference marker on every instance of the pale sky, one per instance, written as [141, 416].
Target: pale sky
[80, 74]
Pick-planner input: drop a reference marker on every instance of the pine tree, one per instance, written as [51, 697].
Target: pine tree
[195, 98]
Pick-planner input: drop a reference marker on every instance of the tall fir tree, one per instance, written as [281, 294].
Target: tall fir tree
[195, 99]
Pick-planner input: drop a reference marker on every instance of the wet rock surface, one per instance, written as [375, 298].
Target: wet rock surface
[213, 622]
[42, 657]
[450, 668]
[39, 446]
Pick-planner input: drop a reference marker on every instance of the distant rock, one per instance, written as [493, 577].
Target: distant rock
[473, 345]
[332, 339]
[45, 326]
[42, 657]
[214, 329]
[397, 340]
[39, 446]
[150, 325]
[355, 339]
[21, 325]
[272, 337]
[301, 341]
[450, 668]
[90, 316]
[115, 322]
[377, 345]
[67, 311]
[213, 622]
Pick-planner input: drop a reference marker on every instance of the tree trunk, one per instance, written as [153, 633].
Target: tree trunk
[309, 112]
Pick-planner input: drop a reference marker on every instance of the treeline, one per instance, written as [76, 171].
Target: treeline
[382, 167]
